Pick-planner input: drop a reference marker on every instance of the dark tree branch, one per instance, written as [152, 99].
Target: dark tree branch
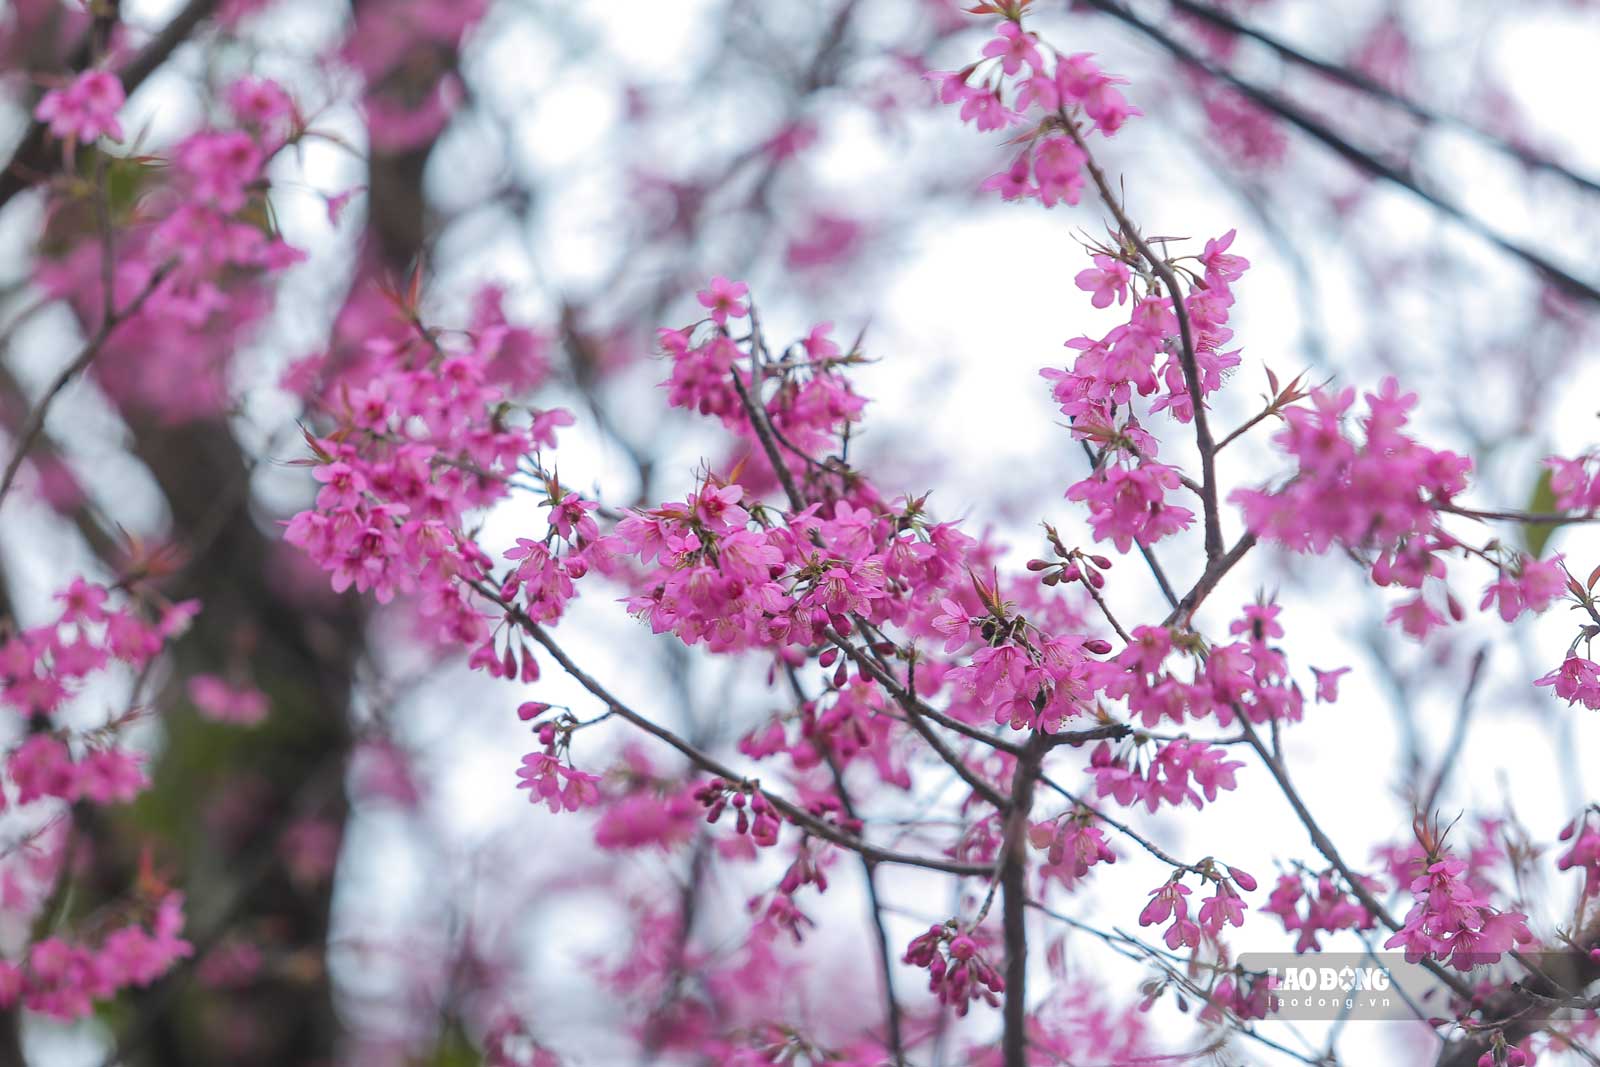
[1360, 158]
[1355, 79]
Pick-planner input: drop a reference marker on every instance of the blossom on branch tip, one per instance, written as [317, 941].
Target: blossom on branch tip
[84, 111]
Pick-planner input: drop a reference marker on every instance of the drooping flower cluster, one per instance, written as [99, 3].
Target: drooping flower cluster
[430, 435]
[1326, 909]
[1577, 681]
[1575, 483]
[194, 259]
[560, 787]
[1127, 492]
[1071, 844]
[1248, 677]
[43, 667]
[1583, 852]
[64, 980]
[84, 111]
[42, 766]
[958, 973]
[1380, 493]
[1046, 92]
[1452, 923]
[1528, 585]
[1179, 771]
[1224, 907]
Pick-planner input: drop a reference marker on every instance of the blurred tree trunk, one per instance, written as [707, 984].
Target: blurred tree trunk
[226, 801]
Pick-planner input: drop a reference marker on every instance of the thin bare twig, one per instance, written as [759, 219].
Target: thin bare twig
[34, 424]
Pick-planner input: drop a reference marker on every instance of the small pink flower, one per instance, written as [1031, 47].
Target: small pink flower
[560, 787]
[1013, 47]
[1328, 684]
[1107, 280]
[722, 298]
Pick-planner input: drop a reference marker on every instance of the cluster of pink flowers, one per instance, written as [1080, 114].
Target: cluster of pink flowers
[1127, 492]
[1583, 852]
[1071, 844]
[1170, 777]
[850, 723]
[1383, 495]
[1077, 1024]
[192, 271]
[399, 51]
[642, 818]
[1577, 681]
[430, 435]
[64, 980]
[1242, 996]
[1169, 901]
[1249, 676]
[217, 698]
[1503, 1055]
[753, 813]
[1451, 922]
[1575, 483]
[957, 972]
[884, 629]
[1033, 685]
[1045, 91]
[43, 667]
[1224, 907]
[1326, 909]
[1528, 585]
[1127, 502]
[1379, 493]
[811, 404]
[99, 631]
[560, 787]
[1247, 135]
[84, 111]
[42, 766]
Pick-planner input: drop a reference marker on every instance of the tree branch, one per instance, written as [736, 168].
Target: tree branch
[1191, 368]
[795, 814]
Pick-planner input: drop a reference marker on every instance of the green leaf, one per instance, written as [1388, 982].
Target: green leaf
[1535, 535]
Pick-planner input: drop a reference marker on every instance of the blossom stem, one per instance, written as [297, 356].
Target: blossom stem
[1325, 846]
[35, 423]
[795, 814]
[1191, 367]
